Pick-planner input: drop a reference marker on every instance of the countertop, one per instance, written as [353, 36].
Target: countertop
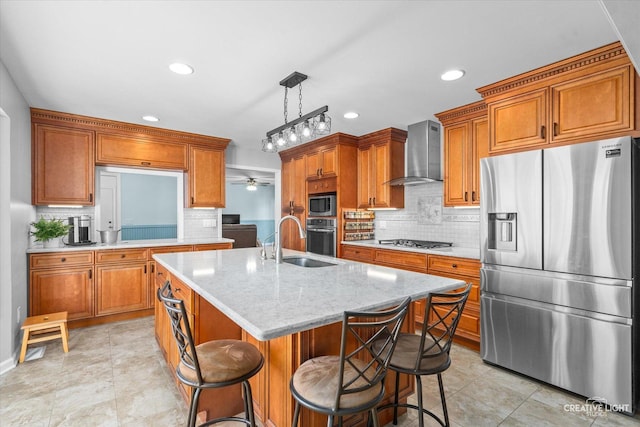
[270, 300]
[457, 251]
[132, 244]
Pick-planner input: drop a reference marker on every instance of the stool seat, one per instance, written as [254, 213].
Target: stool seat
[44, 327]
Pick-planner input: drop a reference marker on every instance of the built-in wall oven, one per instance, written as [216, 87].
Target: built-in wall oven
[321, 236]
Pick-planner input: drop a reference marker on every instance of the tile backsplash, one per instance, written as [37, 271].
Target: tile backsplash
[194, 220]
[424, 218]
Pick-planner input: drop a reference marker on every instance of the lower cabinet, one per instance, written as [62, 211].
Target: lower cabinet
[468, 332]
[100, 285]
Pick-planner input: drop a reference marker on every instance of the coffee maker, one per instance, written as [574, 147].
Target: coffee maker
[79, 231]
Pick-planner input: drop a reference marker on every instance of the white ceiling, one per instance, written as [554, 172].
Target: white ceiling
[382, 59]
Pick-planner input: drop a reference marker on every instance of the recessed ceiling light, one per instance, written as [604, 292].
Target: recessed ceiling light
[351, 115]
[150, 118]
[180, 68]
[452, 75]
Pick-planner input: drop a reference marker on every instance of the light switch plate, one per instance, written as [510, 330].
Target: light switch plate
[382, 225]
[208, 223]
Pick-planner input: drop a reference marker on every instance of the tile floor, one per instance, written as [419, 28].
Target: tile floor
[114, 375]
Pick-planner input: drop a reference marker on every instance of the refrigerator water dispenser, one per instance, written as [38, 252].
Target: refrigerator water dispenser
[502, 234]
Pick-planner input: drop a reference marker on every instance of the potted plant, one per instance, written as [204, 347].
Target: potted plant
[49, 231]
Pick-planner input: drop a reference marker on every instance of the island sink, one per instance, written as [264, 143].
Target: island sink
[307, 262]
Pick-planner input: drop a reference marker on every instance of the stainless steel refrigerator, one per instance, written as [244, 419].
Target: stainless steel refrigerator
[559, 249]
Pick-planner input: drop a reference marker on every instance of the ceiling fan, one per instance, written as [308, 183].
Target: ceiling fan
[252, 184]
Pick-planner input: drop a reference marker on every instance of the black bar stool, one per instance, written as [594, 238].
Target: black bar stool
[352, 382]
[428, 353]
[212, 364]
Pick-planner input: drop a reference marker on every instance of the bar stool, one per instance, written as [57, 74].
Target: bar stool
[354, 381]
[44, 328]
[212, 364]
[428, 353]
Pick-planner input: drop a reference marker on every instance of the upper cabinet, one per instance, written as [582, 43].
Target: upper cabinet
[466, 141]
[140, 152]
[381, 159]
[322, 163]
[586, 97]
[62, 165]
[206, 178]
[66, 148]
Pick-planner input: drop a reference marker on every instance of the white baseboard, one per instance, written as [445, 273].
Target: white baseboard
[9, 364]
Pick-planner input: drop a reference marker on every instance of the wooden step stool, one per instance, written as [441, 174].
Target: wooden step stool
[44, 328]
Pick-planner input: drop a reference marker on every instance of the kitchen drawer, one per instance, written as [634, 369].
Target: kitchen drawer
[469, 323]
[60, 259]
[212, 246]
[357, 253]
[406, 260]
[121, 255]
[161, 275]
[183, 292]
[445, 264]
[168, 249]
[474, 293]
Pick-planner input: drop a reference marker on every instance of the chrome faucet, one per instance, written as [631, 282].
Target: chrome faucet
[303, 235]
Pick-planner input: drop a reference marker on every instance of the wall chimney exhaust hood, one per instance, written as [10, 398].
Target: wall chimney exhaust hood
[421, 155]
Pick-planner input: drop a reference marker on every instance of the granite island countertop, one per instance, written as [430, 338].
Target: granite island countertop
[270, 300]
[456, 251]
[130, 244]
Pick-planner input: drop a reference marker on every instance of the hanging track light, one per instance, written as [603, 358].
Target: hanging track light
[301, 129]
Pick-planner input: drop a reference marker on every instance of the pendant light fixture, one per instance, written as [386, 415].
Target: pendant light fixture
[302, 129]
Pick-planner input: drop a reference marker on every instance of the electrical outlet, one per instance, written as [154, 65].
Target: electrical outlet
[207, 223]
[18, 314]
[382, 225]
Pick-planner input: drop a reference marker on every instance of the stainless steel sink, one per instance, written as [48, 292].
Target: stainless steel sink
[307, 262]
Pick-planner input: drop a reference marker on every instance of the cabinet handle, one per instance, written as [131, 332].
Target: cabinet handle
[555, 129]
[473, 196]
[192, 201]
[63, 259]
[465, 196]
[374, 201]
[369, 200]
[159, 273]
[90, 274]
[145, 269]
[454, 265]
[122, 256]
[320, 171]
[543, 133]
[91, 197]
[153, 268]
[145, 163]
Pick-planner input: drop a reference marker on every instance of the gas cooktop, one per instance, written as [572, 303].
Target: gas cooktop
[421, 244]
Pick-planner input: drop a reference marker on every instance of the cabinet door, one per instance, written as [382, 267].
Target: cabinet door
[456, 154]
[592, 105]
[382, 173]
[518, 122]
[63, 166]
[365, 177]
[287, 186]
[121, 288]
[128, 151]
[313, 164]
[479, 150]
[206, 178]
[299, 184]
[69, 289]
[329, 165]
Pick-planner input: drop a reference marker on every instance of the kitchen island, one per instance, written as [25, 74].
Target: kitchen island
[290, 313]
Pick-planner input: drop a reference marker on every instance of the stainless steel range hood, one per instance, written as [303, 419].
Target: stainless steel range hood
[421, 155]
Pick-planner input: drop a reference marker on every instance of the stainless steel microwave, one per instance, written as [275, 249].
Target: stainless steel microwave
[322, 205]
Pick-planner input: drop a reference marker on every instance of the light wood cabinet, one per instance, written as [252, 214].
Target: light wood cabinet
[61, 282]
[121, 281]
[586, 97]
[465, 143]
[294, 200]
[322, 163]
[62, 165]
[468, 332]
[380, 159]
[206, 178]
[126, 150]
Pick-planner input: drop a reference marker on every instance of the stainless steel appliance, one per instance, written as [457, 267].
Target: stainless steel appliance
[322, 205]
[421, 155]
[321, 236]
[79, 231]
[421, 244]
[559, 246]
